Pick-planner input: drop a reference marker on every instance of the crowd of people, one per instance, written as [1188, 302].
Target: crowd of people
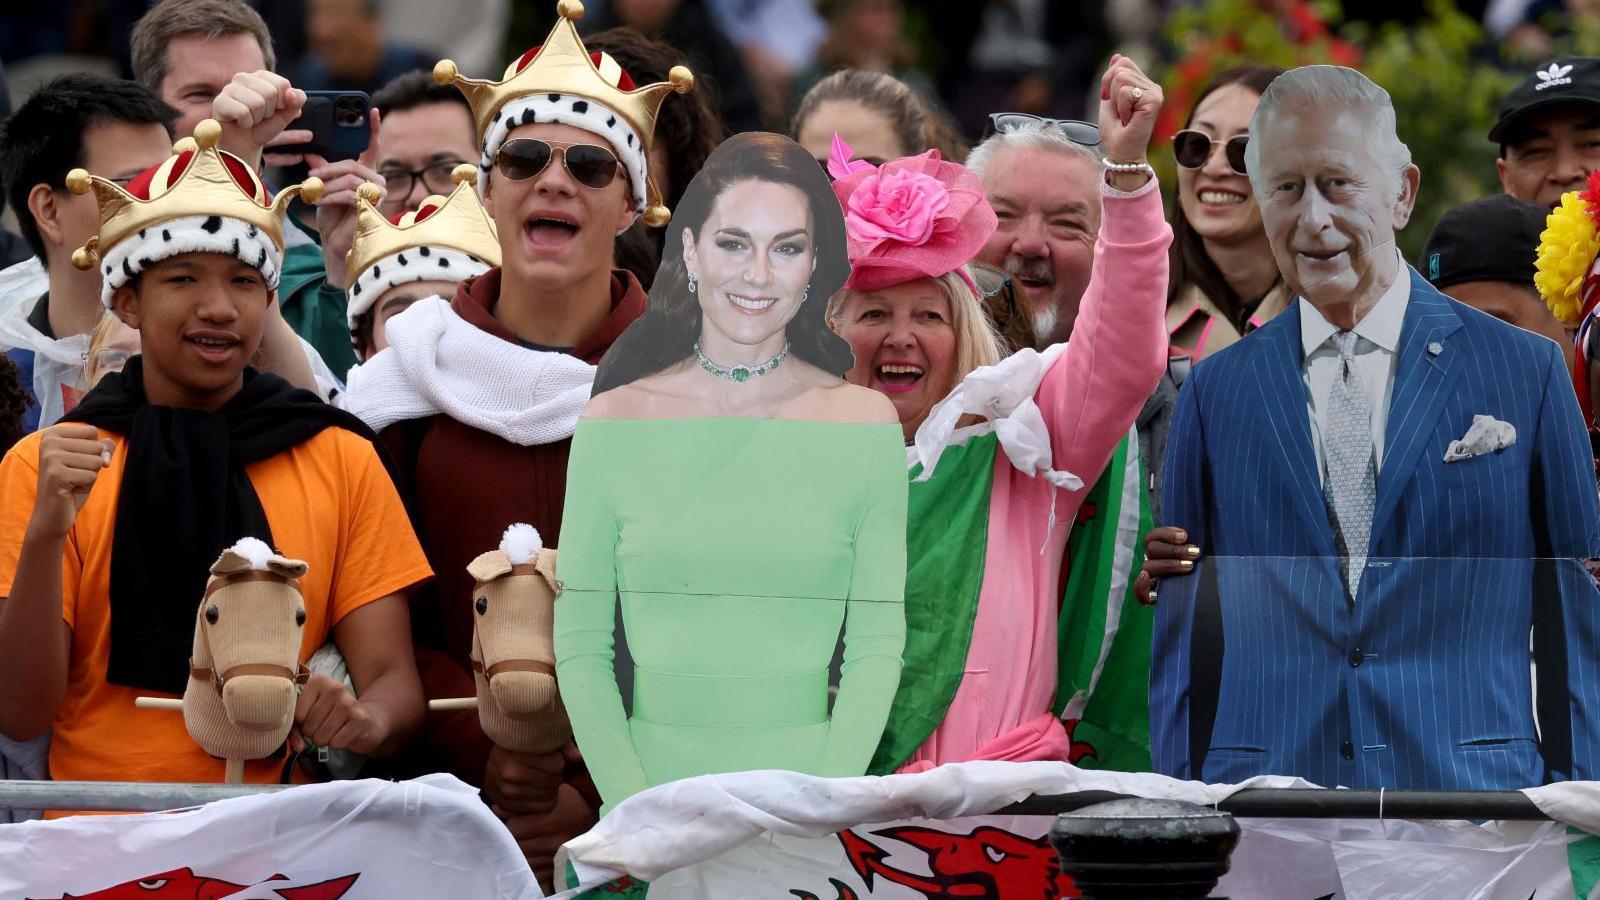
[1237, 489]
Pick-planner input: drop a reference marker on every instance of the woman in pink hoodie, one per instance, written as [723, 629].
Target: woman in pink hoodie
[1001, 452]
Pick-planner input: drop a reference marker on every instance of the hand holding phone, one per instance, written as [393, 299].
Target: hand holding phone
[337, 122]
[336, 208]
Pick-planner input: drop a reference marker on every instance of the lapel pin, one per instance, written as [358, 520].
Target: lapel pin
[1435, 348]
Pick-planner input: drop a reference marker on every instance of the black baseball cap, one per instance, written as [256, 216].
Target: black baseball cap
[1493, 239]
[1565, 79]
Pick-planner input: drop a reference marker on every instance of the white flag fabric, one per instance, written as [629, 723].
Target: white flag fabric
[347, 840]
[912, 837]
[57, 363]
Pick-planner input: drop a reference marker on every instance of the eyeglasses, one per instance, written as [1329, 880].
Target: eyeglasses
[1075, 131]
[398, 183]
[1193, 148]
[989, 280]
[590, 165]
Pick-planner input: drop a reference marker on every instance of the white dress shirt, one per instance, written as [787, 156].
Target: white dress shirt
[1376, 357]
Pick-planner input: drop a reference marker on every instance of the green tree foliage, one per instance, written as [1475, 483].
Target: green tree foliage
[1445, 96]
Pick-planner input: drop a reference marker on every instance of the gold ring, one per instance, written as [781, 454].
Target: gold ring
[1138, 94]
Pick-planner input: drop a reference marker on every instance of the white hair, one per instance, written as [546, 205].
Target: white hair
[1031, 136]
[1323, 89]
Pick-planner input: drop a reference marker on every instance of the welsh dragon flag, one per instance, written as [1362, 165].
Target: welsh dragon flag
[1104, 643]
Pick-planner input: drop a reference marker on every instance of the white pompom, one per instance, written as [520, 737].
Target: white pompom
[255, 550]
[521, 543]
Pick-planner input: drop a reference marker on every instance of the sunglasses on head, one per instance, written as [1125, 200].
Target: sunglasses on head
[590, 165]
[1075, 131]
[1193, 148]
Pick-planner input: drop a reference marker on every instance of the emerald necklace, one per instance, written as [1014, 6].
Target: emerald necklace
[740, 374]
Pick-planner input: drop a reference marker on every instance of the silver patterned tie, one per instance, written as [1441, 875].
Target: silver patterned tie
[1351, 486]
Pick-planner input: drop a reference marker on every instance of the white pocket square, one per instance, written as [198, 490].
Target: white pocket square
[1487, 435]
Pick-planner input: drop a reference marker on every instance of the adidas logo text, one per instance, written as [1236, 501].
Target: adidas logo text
[1554, 76]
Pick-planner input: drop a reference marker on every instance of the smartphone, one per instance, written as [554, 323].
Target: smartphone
[339, 122]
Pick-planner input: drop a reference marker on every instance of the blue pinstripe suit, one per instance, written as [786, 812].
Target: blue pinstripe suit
[1262, 666]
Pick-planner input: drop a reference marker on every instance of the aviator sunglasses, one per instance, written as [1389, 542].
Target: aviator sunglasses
[590, 165]
[1193, 148]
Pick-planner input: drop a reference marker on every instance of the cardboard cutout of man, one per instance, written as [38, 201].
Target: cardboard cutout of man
[1370, 479]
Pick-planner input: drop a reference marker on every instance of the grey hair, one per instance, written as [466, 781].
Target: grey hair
[1324, 88]
[1032, 136]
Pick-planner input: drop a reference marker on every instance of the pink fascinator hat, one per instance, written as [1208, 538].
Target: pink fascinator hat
[917, 217]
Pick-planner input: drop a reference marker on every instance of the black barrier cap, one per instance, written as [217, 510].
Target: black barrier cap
[1145, 848]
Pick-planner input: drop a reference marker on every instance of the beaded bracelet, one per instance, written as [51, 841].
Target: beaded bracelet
[1127, 168]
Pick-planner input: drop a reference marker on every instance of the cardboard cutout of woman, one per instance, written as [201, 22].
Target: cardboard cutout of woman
[741, 500]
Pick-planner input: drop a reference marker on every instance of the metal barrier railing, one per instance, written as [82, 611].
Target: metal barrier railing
[1113, 846]
[1309, 803]
[120, 796]
[1324, 803]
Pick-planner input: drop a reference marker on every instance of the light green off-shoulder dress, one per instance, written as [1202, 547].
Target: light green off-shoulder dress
[739, 548]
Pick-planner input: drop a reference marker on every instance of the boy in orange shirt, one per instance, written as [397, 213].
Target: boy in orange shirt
[109, 524]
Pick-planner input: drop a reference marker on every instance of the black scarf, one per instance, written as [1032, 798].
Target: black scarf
[184, 499]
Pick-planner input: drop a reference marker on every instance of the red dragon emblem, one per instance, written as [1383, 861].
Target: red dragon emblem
[184, 884]
[988, 864]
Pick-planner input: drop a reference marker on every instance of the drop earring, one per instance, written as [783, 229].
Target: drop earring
[693, 284]
[805, 294]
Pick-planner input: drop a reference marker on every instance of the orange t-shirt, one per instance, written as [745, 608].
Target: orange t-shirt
[330, 503]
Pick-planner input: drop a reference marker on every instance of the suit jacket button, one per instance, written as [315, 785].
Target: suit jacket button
[1347, 750]
[1356, 658]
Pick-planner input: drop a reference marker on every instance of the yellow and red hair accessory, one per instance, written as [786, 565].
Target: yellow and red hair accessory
[1567, 250]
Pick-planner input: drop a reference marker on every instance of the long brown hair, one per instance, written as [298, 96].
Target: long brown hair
[1191, 265]
[688, 125]
[917, 124]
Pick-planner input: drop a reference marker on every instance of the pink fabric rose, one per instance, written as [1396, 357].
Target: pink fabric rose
[895, 204]
[917, 217]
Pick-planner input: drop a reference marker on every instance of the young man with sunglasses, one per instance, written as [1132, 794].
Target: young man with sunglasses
[482, 426]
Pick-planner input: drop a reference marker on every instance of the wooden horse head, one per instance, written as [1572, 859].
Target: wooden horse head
[513, 654]
[240, 700]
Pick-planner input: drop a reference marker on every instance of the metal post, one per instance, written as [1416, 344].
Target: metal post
[1145, 849]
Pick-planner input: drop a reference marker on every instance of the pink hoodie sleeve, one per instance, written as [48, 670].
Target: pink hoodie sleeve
[1118, 348]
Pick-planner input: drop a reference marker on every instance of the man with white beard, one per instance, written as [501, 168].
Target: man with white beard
[1042, 177]
[1043, 180]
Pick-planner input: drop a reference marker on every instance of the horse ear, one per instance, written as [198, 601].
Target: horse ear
[489, 566]
[231, 562]
[288, 568]
[545, 564]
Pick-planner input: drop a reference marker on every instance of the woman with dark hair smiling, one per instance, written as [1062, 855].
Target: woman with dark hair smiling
[740, 498]
[1224, 280]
